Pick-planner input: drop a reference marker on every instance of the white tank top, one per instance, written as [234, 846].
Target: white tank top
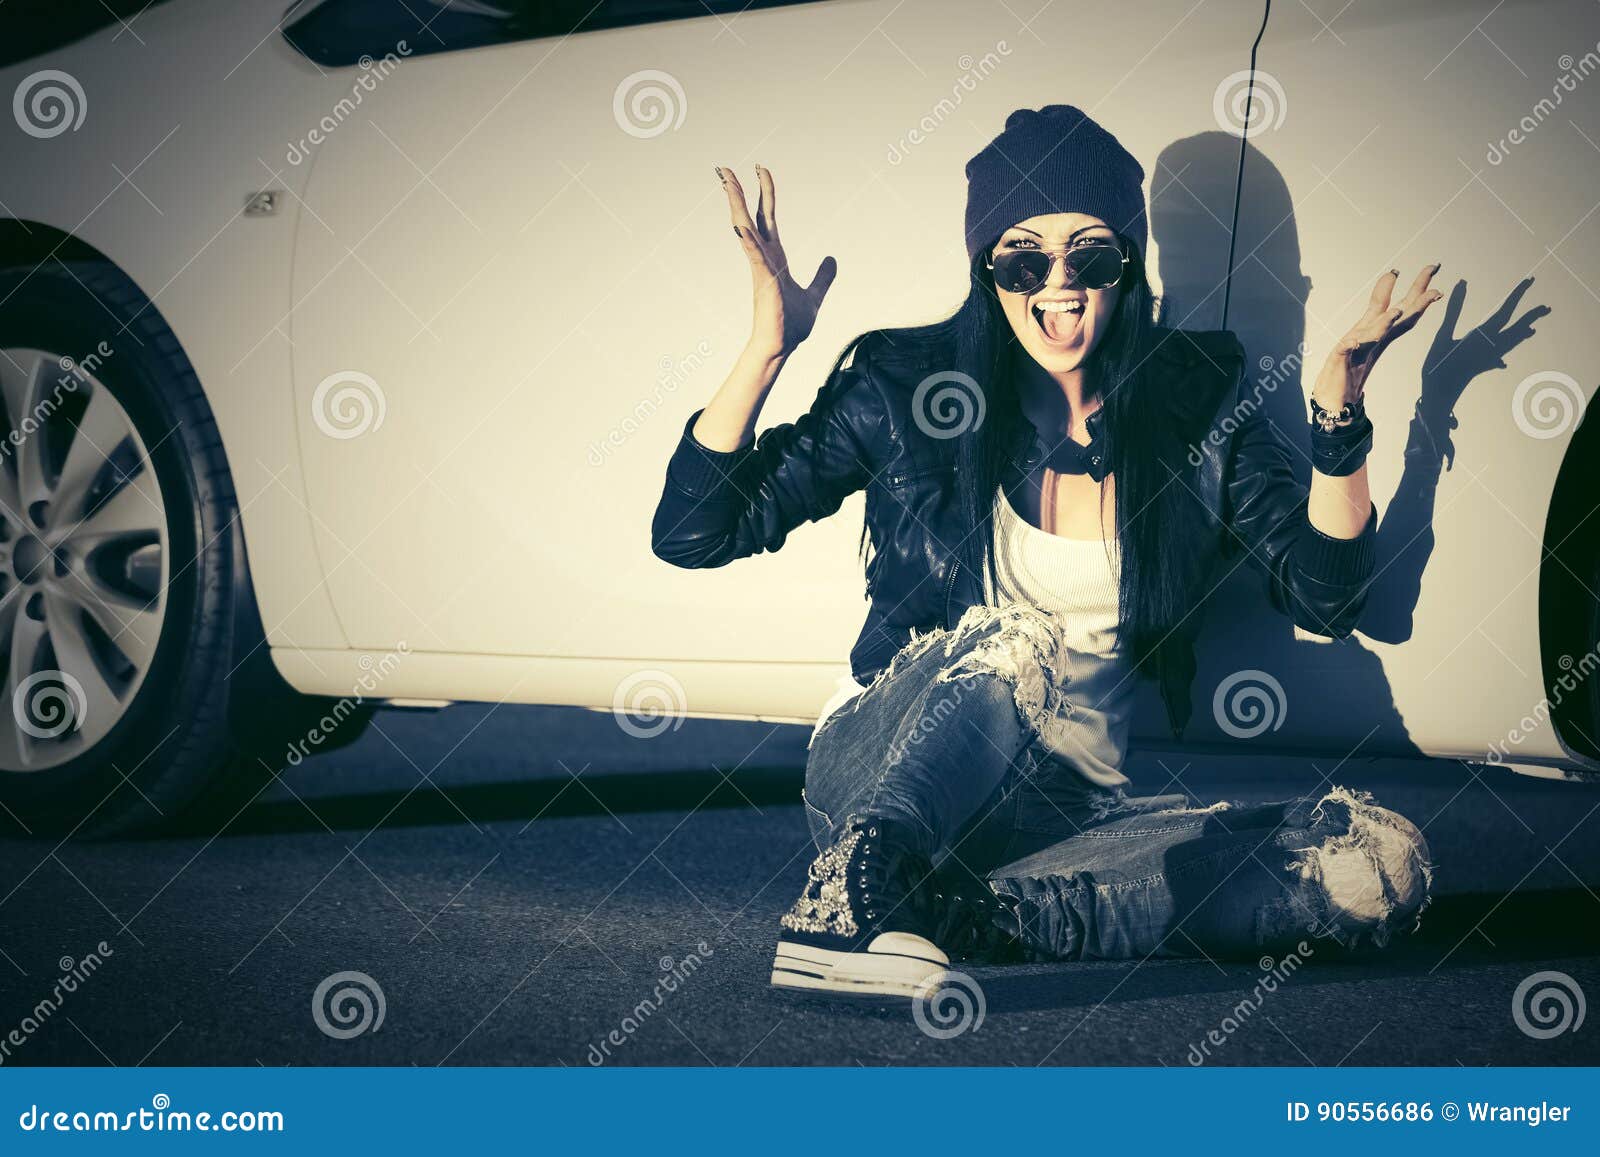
[1076, 580]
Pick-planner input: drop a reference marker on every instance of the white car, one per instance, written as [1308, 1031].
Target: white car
[344, 348]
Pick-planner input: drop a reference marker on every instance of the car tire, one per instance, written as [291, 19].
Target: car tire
[138, 689]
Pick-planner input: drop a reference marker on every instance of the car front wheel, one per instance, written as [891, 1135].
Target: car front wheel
[137, 685]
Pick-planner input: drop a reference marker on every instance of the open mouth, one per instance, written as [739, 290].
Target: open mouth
[1061, 322]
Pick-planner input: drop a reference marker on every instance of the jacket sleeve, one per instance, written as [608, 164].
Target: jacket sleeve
[717, 506]
[1319, 581]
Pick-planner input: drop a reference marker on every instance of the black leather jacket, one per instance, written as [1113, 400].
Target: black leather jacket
[860, 434]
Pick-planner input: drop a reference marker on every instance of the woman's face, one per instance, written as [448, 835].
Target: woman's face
[1058, 326]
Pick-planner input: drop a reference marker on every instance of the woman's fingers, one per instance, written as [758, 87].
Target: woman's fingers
[1383, 322]
[736, 202]
[1357, 351]
[1378, 301]
[752, 249]
[1375, 321]
[744, 228]
[1419, 295]
[767, 203]
[1418, 298]
[767, 221]
[1419, 287]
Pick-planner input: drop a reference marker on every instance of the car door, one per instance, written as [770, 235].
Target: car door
[509, 295]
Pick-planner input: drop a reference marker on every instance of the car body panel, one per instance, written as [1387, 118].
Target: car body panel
[535, 298]
[180, 125]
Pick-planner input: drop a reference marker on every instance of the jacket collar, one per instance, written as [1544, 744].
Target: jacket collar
[1029, 447]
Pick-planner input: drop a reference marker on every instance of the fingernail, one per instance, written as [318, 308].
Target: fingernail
[1396, 272]
[718, 170]
[738, 234]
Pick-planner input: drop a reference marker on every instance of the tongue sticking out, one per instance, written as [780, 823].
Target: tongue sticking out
[1059, 327]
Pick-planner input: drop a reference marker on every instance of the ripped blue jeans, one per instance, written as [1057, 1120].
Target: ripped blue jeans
[945, 741]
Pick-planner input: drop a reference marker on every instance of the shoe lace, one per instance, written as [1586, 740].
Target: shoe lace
[952, 907]
[968, 920]
[891, 878]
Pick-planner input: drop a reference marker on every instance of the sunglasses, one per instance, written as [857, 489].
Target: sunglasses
[1088, 267]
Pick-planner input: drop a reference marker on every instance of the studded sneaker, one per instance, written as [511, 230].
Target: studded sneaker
[877, 920]
[860, 925]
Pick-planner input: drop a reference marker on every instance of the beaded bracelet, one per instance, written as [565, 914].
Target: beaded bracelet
[1333, 421]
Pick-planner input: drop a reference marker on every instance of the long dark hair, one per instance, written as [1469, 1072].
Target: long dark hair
[1157, 523]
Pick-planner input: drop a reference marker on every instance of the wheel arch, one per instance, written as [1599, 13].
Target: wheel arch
[24, 242]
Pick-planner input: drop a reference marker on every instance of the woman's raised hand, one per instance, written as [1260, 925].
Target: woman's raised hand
[785, 310]
[1344, 375]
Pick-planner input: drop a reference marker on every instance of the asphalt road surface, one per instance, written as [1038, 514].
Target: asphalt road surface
[533, 886]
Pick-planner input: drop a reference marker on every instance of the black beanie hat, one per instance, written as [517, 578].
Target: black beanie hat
[1054, 160]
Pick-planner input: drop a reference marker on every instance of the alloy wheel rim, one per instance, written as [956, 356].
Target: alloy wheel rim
[83, 560]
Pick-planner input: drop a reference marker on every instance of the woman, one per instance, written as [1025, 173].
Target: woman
[1053, 482]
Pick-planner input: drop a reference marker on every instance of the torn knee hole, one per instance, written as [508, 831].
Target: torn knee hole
[1356, 883]
[1022, 648]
